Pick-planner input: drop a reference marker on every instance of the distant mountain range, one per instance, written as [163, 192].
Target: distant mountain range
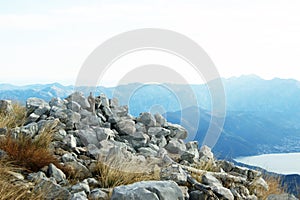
[263, 116]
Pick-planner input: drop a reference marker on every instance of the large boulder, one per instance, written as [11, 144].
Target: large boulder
[126, 127]
[147, 119]
[80, 99]
[37, 106]
[177, 131]
[175, 146]
[150, 190]
[5, 106]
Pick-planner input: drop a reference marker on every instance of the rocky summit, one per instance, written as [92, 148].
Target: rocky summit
[94, 130]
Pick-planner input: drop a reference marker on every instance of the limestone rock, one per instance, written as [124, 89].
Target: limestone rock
[150, 190]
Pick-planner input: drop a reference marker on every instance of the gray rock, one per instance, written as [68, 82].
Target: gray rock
[81, 171]
[158, 131]
[205, 154]
[56, 173]
[91, 120]
[68, 157]
[146, 151]
[104, 100]
[175, 173]
[209, 179]
[114, 102]
[150, 190]
[32, 118]
[104, 133]
[5, 106]
[93, 183]
[137, 140]
[126, 127]
[88, 136]
[80, 99]
[160, 120]
[72, 105]
[70, 141]
[79, 196]
[177, 131]
[97, 194]
[36, 177]
[223, 192]
[281, 197]
[197, 195]
[121, 111]
[192, 147]
[54, 191]
[147, 119]
[175, 146]
[30, 129]
[57, 102]
[83, 186]
[38, 106]
[140, 127]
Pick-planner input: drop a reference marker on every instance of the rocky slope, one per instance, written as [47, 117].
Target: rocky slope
[96, 129]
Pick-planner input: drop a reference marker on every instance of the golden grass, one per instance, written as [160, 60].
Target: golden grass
[12, 191]
[275, 186]
[117, 172]
[32, 154]
[14, 119]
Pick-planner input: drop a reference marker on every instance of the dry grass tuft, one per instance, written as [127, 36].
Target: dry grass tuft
[32, 154]
[12, 191]
[14, 119]
[117, 172]
[275, 186]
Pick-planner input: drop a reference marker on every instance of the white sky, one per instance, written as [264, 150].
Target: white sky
[47, 41]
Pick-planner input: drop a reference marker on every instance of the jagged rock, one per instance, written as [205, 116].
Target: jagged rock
[56, 173]
[60, 135]
[192, 147]
[36, 177]
[5, 106]
[260, 184]
[80, 99]
[158, 131]
[210, 180]
[281, 197]
[225, 165]
[197, 195]
[137, 140]
[174, 172]
[91, 120]
[38, 106]
[54, 191]
[104, 100]
[80, 170]
[97, 194]
[70, 141]
[126, 127]
[68, 157]
[88, 136]
[146, 151]
[159, 119]
[140, 127]
[150, 190]
[72, 105]
[57, 102]
[175, 146]
[147, 119]
[177, 131]
[79, 196]
[93, 183]
[83, 186]
[32, 118]
[104, 133]
[30, 129]
[121, 111]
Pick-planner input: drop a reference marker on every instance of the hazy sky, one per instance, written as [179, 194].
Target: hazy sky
[47, 41]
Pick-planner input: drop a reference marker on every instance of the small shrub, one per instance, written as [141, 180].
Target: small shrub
[31, 154]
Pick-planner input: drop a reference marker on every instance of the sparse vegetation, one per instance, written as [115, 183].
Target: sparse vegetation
[275, 186]
[29, 153]
[115, 172]
[12, 191]
[13, 119]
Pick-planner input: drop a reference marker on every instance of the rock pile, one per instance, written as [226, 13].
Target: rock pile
[92, 129]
